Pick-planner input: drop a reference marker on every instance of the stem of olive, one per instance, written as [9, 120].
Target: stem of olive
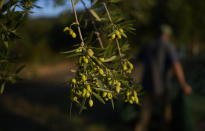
[77, 22]
[98, 35]
[113, 26]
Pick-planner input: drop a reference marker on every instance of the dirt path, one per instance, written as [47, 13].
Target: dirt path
[49, 73]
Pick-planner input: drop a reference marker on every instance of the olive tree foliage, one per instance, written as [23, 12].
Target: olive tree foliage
[10, 20]
[103, 55]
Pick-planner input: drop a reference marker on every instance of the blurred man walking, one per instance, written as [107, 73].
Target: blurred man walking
[158, 57]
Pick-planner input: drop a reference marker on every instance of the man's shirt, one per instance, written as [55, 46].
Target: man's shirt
[157, 56]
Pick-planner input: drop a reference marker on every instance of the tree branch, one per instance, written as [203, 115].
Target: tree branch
[113, 26]
[77, 22]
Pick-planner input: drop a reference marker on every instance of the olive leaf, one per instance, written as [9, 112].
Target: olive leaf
[82, 107]
[1, 3]
[98, 97]
[76, 1]
[2, 88]
[95, 14]
[110, 59]
[112, 102]
[20, 69]
[114, 1]
[102, 89]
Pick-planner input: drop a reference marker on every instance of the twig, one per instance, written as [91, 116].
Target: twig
[77, 22]
[110, 19]
[94, 25]
[98, 35]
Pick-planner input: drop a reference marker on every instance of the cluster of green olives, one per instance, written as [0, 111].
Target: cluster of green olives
[71, 32]
[131, 97]
[127, 66]
[93, 77]
[89, 78]
[117, 34]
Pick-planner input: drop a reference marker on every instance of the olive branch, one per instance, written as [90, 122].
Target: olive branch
[95, 77]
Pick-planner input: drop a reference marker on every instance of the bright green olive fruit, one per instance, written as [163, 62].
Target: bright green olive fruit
[75, 99]
[121, 30]
[113, 36]
[83, 77]
[124, 67]
[136, 100]
[74, 35]
[87, 94]
[91, 103]
[73, 81]
[117, 32]
[90, 52]
[104, 94]
[102, 59]
[130, 101]
[118, 89]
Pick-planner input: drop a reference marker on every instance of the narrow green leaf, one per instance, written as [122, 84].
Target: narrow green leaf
[124, 35]
[94, 1]
[67, 52]
[99, 97]
[97, 4]
[113, 105]
[3, 61]
[85, 66]
[115, 1]
[110, 59]
[72, 55]
[100, 83]
[1, 3]
[95, 15]
[2, 88]
[102, 89]
[6, 44]
[2, 36]
[20, 69]
[70, 110]
[73, 70]
[82, 107]
[76, 1]
[109, 35]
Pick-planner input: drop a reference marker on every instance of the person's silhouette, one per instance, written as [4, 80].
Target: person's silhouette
[159, 56]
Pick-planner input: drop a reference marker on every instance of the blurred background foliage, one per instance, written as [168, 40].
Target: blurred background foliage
[10, 21]
[42, 39]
